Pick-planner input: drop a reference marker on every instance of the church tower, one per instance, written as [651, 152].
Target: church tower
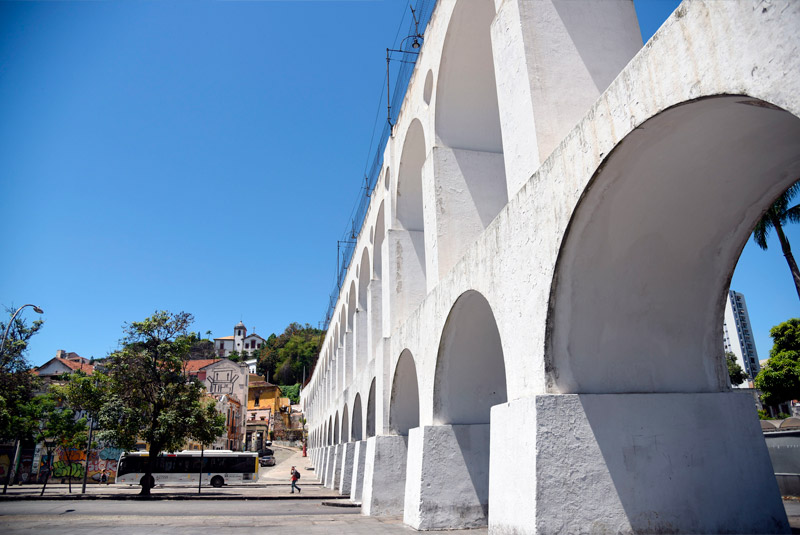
[239, 334]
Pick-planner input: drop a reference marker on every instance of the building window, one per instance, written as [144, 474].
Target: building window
[239, 333]
[222, 345]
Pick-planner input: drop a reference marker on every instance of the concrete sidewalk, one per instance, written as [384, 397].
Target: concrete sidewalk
[273, 484]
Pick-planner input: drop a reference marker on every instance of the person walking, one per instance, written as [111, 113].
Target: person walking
[295, 477]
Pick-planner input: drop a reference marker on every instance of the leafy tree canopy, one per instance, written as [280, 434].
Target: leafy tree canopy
[735, 372]
[292, 392]
[149, 396]
[59, 426]
[776, 217]
[17, 384]
[779, 380]
[283, 358]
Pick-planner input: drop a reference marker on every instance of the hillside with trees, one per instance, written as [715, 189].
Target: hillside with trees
[283, 359]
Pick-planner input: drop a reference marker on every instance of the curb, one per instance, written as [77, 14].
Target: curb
[340, 503]
[136, 497]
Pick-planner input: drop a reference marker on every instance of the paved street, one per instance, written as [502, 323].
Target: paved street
[266, 507]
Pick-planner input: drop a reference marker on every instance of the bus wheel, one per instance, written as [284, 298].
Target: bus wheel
[217, 481]
[143, 481]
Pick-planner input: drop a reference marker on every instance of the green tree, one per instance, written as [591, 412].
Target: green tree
[292, 392]
[149, 396]
[776, 217]
[17, 384]
[735, 372]
[59, 425]
[779, 380]
[283, 358]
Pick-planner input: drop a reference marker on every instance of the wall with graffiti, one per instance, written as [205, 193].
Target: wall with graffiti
[104, 458]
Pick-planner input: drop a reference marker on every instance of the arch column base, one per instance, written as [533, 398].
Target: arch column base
[359, 456]
[447, 481]
[335, 467]
[328, 466]
[346, 471]
[632, 463]
[384, 475]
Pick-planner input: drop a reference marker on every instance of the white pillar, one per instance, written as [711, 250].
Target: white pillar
[346, 470]
[359, 456]
[632, 463]
[336, 464]
[384, 476]
[447, 480]
[329, 457]
[541, 94]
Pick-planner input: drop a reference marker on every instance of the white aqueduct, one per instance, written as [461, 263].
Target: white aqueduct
[529, 335]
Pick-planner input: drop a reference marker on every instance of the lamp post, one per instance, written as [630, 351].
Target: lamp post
[11, 321]
[12, 469]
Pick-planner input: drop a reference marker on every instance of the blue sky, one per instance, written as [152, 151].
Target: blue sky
[205, 157]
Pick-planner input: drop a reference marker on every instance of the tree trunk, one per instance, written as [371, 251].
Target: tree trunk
[787, 252]
[155, 451]
[49, 471]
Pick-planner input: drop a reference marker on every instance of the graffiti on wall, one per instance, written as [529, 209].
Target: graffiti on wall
[105, 458]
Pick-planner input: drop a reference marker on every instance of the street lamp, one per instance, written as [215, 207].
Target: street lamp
[11, 321]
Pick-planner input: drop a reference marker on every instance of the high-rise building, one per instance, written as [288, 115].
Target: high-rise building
[738, 335]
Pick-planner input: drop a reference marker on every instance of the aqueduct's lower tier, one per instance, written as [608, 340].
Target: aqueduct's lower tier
[566, 373]
[561, 464]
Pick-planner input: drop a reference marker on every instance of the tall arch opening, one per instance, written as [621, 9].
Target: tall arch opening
[636, 314]
[404, 405]
[376, 285]
[650, 251]
[362, 312]
[470, 379]
[407, 238]
[467, 114]
[345, 425]
[358, 419]
[470, 369]
[371, 410]
[350, 335]
[336, 436]
[469, 169]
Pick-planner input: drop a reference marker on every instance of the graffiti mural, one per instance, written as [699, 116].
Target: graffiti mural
[105, 458]
[222, 381]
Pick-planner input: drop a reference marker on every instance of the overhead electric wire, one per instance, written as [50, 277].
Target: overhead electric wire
[371, 170]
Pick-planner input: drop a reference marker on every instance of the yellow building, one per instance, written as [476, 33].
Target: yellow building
[264, 401]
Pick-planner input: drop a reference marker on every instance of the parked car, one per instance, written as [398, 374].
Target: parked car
[267, 460]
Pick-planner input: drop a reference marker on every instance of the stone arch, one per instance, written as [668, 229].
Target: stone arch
[404, 404]
[376, 285]
[470, 379]
[336, 428]
[350, 334]
[470, 369]
[377, 252]
[371, 411]
[408, 203]
[345, 425]
[407, 244]
[638, 292]
[363, 312]
[329, 430]
[467, 113]
[358, 420]
[467, 158]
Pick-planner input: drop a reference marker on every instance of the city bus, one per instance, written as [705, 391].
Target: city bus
[220, 467]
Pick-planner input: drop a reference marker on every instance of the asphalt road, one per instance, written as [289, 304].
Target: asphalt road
[190, 518]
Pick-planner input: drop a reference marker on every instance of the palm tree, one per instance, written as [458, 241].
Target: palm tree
[776, 217]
